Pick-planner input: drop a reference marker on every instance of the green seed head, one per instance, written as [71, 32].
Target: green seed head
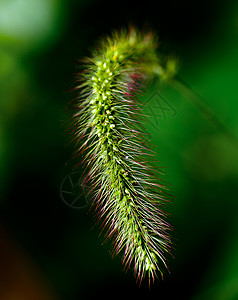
[125, 196]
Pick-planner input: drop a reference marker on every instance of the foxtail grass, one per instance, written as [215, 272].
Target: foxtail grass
[128, 194]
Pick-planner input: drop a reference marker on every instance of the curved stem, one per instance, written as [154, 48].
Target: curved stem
[208, 113]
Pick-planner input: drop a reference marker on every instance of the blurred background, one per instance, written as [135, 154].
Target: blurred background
[50, 249]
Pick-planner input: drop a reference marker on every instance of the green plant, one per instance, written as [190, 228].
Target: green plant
[116, 152]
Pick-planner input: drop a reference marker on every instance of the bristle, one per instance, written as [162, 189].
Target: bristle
[127, 195]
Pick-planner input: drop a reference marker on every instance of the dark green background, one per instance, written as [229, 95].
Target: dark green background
[40, 43]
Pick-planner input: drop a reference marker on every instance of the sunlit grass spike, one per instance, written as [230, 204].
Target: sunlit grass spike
[127, 195]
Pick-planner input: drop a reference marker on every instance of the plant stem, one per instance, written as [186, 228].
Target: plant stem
[207, 112]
